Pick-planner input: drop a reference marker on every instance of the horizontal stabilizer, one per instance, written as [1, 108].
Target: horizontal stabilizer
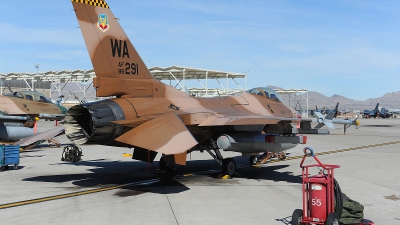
[165, 134]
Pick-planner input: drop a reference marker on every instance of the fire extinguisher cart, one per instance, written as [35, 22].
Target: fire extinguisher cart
[319, 194]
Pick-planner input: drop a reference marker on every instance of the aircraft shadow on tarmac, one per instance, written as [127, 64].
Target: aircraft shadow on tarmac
[106, 173]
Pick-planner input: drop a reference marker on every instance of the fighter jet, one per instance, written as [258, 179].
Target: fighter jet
[385, 113]
[372, 113]
[19, 111]
[329, 120]
[327, 112]
[152, 117]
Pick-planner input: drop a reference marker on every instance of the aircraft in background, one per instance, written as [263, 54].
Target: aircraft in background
[19, 111]
[329, 120]
[326, 111]
[372, 113]
[385, 113]
[153, 117]
[395, 112]
[343, 112]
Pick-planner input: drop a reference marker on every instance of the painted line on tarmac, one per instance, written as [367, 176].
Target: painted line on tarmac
[74, 194]
[152, 181]
[337, 151]
[96, 190]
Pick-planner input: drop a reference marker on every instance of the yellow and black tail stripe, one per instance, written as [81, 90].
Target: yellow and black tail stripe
[99, 3]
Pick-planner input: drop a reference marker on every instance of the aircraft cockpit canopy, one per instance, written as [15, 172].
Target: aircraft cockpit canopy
[267, 93]
[31, 95]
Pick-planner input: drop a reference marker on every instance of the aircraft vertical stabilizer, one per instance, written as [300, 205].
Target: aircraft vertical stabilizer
[333, 113]
[119, 68]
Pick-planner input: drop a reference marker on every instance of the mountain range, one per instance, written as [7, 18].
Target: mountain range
[389, 100]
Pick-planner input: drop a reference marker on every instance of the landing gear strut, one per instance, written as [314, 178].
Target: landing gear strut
[228, 164]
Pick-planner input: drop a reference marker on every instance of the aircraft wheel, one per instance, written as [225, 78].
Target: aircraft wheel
[253, 160]
[332, 219]
[229, 167]
[162, 164]
[167, 166]
[282, 155]
[297, 216]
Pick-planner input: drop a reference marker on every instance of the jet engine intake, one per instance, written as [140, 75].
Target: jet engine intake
[256, 142]
[91, 122]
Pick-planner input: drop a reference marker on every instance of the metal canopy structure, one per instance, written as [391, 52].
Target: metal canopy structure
[32, 80]
[178, 74]
[60, 76]
[296, 98]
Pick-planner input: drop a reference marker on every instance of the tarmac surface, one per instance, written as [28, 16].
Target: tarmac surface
[107, 188]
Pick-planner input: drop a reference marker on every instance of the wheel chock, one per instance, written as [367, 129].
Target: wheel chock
[224, 177]
[127, 155]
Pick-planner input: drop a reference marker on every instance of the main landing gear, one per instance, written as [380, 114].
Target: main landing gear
[165, 166]
[228, 164]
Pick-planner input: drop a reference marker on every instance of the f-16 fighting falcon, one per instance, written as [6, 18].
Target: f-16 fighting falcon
[152, 117]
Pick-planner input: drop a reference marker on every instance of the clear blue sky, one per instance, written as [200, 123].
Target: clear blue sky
[351, 48]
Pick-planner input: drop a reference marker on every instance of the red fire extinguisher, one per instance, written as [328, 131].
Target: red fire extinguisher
[319, 194]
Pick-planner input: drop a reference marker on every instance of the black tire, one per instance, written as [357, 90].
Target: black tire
[332, 219]
[6, 167]
[297, 216]
[229, 167]
[253, 160]
[2, 168]
[166, 166]
[162, 165]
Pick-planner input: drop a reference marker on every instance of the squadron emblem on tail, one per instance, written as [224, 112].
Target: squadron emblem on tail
[103, 23]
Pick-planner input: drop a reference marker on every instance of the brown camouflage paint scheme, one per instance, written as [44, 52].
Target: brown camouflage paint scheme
[15, 106]
[159, 117]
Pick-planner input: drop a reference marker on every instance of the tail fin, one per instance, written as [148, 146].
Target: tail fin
[333, 113]
[337, 107]
[376, 107]
[116, 62]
